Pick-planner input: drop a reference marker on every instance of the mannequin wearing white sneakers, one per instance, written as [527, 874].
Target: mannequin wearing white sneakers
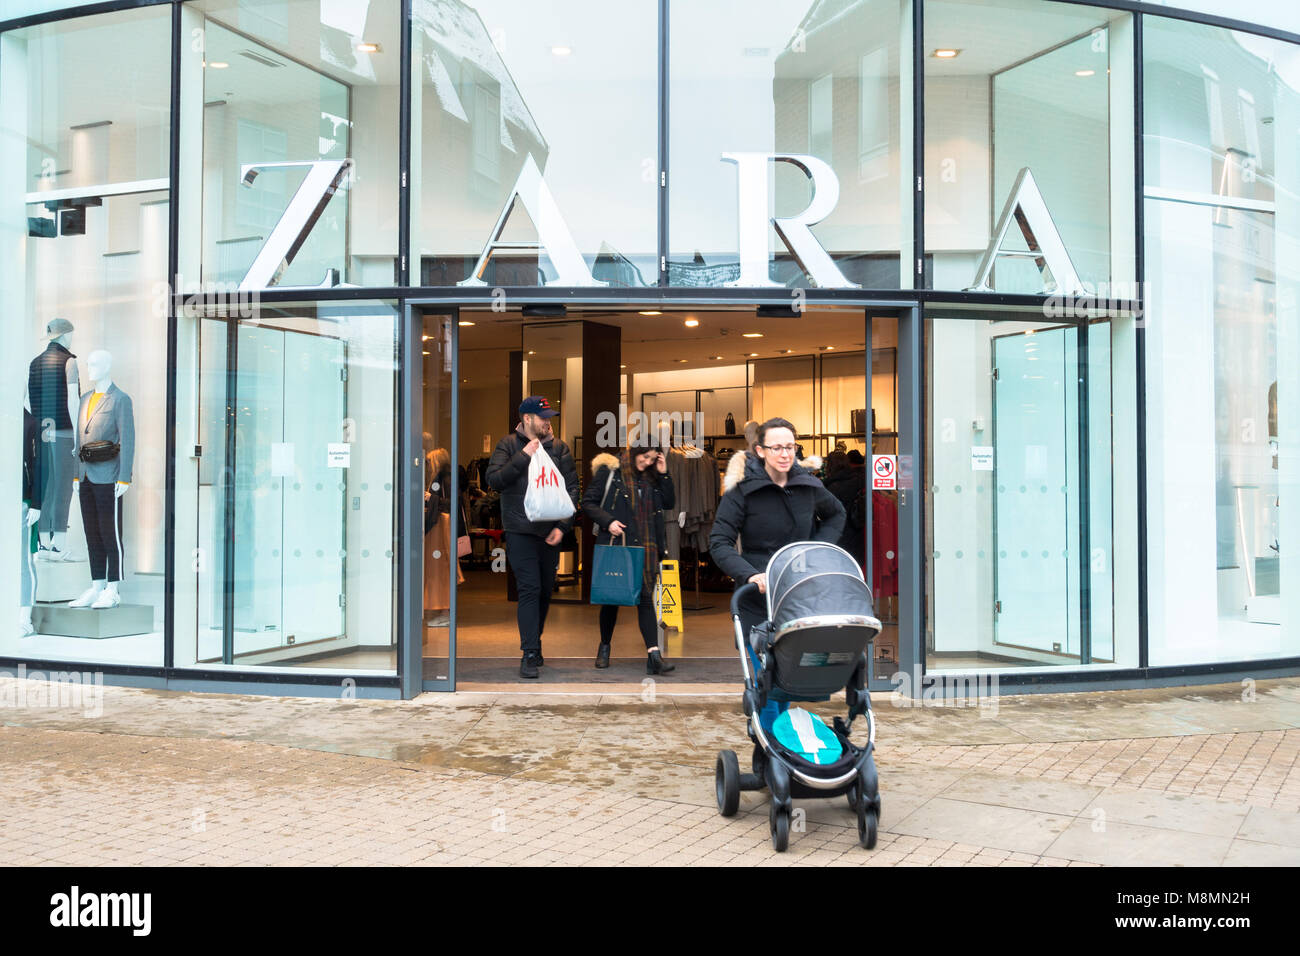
[105, 419]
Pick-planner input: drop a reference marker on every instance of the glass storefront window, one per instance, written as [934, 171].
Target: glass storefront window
[1223, 471]
[1013, 85]
[297, 150]
[535, 124]
[286, 438]
[84, 135]
[756, 81]
[1012, 507]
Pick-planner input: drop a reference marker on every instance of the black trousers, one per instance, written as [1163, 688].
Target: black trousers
[646, 619]
[533, 562]
[101, 516]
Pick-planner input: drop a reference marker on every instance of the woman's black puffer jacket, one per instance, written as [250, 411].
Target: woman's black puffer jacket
[766, 517]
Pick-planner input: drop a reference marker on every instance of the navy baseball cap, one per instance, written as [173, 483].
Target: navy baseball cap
[537, 405]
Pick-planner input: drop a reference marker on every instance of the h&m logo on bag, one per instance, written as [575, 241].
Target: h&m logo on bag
[547, 477]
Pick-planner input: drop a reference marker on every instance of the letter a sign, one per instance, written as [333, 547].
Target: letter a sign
[1026, 207]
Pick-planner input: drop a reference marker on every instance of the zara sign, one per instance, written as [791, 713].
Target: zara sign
[1024, 206]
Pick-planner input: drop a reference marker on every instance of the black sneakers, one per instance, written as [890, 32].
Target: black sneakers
[528, 666]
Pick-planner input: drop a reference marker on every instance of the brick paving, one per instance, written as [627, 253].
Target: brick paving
[165, 778]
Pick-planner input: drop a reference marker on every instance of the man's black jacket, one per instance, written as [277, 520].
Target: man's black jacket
[507, 472]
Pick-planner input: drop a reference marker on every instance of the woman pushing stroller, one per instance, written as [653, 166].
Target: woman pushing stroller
[626, 499]
[770, 500]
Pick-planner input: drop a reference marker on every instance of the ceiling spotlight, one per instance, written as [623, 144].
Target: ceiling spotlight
[753, 355]
[425, 338]
[715, 357]
[561, 50]
[691, 323]
[828, 348]
[531, 352]
[622, 366]
[650, 313]
[365, 47]
[465, 322]
[683, 361]
[1085, 72]
[427, 352]
[945, 54]
[752, 335]
[785, 351]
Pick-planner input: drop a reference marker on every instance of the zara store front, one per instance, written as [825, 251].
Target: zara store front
[297, 246]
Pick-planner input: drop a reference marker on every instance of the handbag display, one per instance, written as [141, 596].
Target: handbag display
[94, 452]
[463, 546]
[616, 571]
[729, 426]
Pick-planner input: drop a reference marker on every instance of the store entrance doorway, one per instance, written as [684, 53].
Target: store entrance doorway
[695, 377]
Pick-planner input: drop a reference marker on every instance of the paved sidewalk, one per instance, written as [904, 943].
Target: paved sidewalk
[1206, 776]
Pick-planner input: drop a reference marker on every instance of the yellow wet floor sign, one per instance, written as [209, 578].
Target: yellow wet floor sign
[670, 596]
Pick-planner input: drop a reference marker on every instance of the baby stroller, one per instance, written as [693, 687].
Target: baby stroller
[820, 621]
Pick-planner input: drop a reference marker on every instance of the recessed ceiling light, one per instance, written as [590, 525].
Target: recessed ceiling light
[753, 355]
[622, 366]
[561, 50]
[786, 351]
[218, 65]
[1084, 72]
[425, 338]
[649, 313]
[427, 352]
[752, 335]
[715, 358]
[465, 322]
[691, 323]
[828, 348]
[365, 47]
[531, 352]
[945, 54]
[683, 360]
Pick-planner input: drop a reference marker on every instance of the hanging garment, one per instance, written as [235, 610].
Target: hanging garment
[884, 544]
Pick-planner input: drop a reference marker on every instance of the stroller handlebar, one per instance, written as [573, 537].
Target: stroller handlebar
[744, 589]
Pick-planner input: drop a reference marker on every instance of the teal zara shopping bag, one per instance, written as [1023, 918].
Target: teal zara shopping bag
[616, 571]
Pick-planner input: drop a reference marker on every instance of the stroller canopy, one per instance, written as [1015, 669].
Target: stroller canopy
[815, 579]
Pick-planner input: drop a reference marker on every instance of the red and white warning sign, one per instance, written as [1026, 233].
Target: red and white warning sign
[884, 473]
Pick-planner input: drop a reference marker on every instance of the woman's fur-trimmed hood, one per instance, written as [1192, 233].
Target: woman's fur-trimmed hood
[603, 460]
[736, 468]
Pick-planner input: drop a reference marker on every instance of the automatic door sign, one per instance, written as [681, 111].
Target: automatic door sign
[884, 473]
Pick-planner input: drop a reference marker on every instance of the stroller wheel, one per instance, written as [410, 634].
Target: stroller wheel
[867, 824]
[779, 823]
[726, 781]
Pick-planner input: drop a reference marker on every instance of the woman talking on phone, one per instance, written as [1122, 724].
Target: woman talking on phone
[769, 500]
[625, 499]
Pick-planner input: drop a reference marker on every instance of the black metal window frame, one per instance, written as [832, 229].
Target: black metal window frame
[404, 294]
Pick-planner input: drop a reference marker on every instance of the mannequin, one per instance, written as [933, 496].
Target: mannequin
[106, 415]
[33, 487]
[54, 395]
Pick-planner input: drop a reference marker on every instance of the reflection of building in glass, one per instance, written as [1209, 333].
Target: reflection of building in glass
[477, 131]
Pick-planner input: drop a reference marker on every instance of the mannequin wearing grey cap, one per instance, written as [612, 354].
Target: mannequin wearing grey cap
[532, 547]
[53, 396]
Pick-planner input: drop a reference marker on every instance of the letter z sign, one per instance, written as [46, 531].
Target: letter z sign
[884, 473]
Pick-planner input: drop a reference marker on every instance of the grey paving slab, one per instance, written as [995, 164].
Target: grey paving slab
[1005, 828]
[1266, 825]
[1122, 844]
[1169, 811]
[1024, 793]
[1249, 853]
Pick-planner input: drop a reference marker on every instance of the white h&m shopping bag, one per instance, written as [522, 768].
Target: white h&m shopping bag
[547, 498]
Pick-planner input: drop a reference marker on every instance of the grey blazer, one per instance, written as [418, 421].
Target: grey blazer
[112, 420]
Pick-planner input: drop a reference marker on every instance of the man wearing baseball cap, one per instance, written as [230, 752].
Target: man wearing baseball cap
[532, 547]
